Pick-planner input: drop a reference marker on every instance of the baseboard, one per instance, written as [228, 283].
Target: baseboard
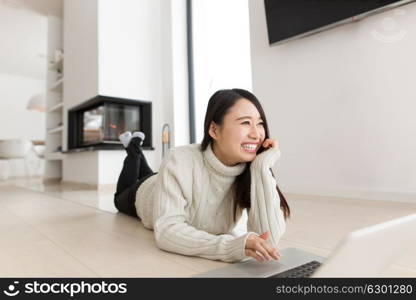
[23, 177]
[89, 186]
[79, 185]
[52, 180]
[107, 187]
[367, 194]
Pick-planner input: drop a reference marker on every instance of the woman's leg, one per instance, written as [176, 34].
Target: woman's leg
[135, 166]
[135, 171]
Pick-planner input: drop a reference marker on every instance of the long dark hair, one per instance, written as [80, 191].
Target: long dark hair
[218, 107]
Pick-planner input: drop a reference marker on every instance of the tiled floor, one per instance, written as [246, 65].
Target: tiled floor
[51, 231]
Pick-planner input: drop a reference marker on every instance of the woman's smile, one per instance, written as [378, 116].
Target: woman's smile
[249, 147]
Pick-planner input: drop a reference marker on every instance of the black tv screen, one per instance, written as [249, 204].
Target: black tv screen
[288, 19]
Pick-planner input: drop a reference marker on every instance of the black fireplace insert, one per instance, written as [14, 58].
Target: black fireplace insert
[97, 123]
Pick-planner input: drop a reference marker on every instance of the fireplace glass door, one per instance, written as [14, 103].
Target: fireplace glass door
[106, 122]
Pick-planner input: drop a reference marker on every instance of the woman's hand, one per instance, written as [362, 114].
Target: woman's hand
[269, 155]
[270, 143]
[259, 248]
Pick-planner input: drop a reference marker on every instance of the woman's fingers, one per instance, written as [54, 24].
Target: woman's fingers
[261, 255]
[270, 143]
[277, 254]
[266, 143]
[254, 254]
[259, 247]
[263, 249]
[257, 255]
[271, 250]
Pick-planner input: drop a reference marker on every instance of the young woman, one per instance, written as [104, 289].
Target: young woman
[200, 192]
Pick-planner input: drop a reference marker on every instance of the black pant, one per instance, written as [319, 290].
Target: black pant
[135, 171]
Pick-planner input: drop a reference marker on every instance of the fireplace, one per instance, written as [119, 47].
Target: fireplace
[97, 123]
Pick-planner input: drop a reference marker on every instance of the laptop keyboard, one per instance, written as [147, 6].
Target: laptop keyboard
[304, 270]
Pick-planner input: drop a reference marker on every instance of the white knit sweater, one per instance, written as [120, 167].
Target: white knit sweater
[189, 204]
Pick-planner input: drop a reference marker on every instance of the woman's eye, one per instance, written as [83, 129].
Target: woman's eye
[246, 122]
[261, 124]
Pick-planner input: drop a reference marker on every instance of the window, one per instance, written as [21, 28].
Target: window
[221, 51]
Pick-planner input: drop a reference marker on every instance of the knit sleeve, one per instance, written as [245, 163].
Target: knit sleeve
[265, 213]
[173, 233]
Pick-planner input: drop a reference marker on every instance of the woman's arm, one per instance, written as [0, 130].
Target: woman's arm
[265, 213]
[173, 233]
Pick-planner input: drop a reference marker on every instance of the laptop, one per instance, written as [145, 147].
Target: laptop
[366, 252]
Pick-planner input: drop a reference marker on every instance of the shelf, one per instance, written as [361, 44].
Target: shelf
[56, 65]
[54, 156]
[56, 130]
[57, 86]
[56, 107]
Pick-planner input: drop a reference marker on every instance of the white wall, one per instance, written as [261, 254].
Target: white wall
[16, 121]
[126, 52]
[80, 80]
[81, 54]
[110, 164]
[130, 56]
[23, 45]
[142, 55]
[23, 41]
[80, 46]
[19, 123]
[341, 103]
[81, 168]
[22, 71]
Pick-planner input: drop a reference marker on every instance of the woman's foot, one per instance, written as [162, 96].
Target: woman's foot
[140, 135]
[125, 138]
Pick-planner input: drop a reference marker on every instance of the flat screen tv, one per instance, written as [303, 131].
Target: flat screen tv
[291, 19]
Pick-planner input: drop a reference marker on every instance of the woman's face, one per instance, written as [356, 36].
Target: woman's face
[240, 135]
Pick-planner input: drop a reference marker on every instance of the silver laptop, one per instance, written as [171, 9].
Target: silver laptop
[363, 253]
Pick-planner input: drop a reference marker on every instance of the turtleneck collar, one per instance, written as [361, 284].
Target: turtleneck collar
[213, 162]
